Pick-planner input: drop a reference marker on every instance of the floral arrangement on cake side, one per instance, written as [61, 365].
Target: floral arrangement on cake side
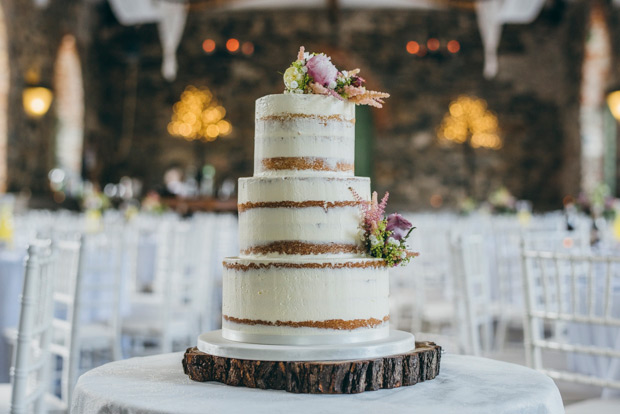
[384, 237]
[315, 73]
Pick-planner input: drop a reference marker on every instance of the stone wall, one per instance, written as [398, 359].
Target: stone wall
[34, 36]
[535, 95]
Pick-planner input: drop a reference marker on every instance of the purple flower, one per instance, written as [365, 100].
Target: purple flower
[321, 69]
[357, 81]
[398, 225]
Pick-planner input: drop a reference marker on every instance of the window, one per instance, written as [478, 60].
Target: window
[70, 112]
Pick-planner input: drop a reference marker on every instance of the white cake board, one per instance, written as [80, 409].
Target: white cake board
[398, 342]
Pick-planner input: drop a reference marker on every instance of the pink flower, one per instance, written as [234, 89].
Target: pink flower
[321, 69]
[398, 225]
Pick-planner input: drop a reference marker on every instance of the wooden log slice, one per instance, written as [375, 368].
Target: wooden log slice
[318, 377]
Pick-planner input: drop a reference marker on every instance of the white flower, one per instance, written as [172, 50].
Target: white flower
[392, 240]
[373, 240]
[294, 85]
[345, 73]
[332, 85]
[403, 255]
[306, 55]
[361, 234]
[304, 69]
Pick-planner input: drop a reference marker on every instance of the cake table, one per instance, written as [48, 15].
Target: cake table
[465, 385]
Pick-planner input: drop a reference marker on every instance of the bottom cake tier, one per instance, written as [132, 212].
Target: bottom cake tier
[301, 302]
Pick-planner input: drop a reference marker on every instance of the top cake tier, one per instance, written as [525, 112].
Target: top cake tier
[304, 135]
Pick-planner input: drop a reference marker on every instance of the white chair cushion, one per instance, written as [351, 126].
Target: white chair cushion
[595, 406]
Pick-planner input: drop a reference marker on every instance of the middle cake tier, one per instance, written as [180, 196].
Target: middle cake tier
[301, 216]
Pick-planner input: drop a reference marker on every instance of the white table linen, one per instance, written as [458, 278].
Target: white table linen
[465, 384]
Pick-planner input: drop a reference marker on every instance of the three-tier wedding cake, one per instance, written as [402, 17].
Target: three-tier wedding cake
[311, 280]
[303, 276]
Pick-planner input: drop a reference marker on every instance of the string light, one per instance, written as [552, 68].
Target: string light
[232, 45]
[469, 117]
[432, 44]
[453, 46]
[247, 48]
[413, 47]
[198, 115]
[208, 45]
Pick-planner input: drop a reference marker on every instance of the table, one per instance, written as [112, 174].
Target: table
[466, 384]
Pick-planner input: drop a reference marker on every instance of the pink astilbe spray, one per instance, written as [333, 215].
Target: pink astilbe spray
[372, 211]
[372, 98]
[300, 54]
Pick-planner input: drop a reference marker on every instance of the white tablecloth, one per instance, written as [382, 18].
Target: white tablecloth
[466, 384]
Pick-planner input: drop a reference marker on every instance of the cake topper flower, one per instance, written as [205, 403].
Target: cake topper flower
[384, 237]
[315, 73]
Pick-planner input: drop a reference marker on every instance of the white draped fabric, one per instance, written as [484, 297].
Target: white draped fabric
[170, 27]
[492, 15]
[465, 385]
[170, 17]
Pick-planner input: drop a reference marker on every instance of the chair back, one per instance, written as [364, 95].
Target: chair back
[67, 270]
[474, 303]
[30, 375]
[573, 308]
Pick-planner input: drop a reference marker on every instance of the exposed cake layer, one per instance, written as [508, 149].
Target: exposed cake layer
[318, 105]
[304, 135]
[300, 215]
[301, 189]
[328, 299]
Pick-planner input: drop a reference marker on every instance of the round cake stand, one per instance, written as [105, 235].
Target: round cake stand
[319, 369]
[398, 342]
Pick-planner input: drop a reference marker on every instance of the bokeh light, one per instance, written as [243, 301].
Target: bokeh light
[247, 48]
[232, 45]
[208, 45]
[432, 44]
[198, 115]
[454, 46]
[469, 118]
[413, 47]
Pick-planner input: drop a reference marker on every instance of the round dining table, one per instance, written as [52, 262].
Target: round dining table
[466, 384]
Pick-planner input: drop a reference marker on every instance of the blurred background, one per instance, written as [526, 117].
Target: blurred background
[124, 126]
[482, 99]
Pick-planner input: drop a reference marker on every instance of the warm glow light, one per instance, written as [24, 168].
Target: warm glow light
[247, 48]
[432, 44]
[198, 116]
[37, 101]
[436, 200]
[413, 47]
[208, 45]
[232, 45]
[224, 127]
[613, 101]
[454, 46]
[469, 118]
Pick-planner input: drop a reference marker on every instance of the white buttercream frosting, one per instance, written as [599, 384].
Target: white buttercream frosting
[329, 223]
[304, 294]
[260, 189]
[261, 226]
[280, 104]
[310, 127]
